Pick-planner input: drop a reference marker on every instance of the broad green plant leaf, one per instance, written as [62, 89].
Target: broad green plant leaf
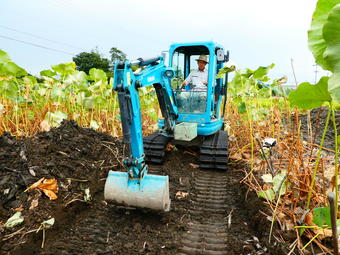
[228, 68]
[4, 57]
[12, 69]
[322, 216]
[316, 40]
[64, 68]
[94, 124]
[267, 178]
[242, 108]
[48, 223]
[97, 75]
[30, 80]
[15, 220]
[48, 73]
[268, 194]
[262, 71]
[308, 96]
[78, 77]
[331, 34]
[57, 93]
[9, 89]
[55, 118]
[279, 183]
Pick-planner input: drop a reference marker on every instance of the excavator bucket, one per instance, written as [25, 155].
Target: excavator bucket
[152, 191]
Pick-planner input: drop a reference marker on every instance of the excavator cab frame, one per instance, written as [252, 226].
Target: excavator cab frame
[210, 119]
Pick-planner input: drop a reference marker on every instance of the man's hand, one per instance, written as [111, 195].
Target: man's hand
[183, 84]
[205, 83]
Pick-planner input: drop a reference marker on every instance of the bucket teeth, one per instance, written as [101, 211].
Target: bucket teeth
[154, 146]
[214, 151]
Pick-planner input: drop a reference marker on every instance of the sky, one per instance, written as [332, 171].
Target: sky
[40, 33]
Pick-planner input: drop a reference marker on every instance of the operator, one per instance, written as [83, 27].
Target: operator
[198, 78]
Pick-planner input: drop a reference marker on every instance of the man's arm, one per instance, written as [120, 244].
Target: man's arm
[187, 80]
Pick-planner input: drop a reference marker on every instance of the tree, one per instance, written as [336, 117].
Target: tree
[117, 54]
[87, 60]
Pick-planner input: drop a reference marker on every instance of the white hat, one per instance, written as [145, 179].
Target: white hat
[203, 58]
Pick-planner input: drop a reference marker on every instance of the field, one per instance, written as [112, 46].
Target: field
[79, 158]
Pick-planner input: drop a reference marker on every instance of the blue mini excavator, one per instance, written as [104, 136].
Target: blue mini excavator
[190, 115]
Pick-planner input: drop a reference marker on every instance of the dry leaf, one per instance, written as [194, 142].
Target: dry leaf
[50, 194]
[321, 232]
[181, 194]
[48, 186]
[194, 165]
[34, 203]
[19, 209]
[170, 147]
[45, 125]
[236, 156]
[245, 155]
[35, 185]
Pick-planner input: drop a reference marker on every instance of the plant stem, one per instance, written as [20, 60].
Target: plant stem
[318, 159]
[336, 172]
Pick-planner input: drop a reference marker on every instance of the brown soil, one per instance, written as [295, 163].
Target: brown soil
[318, 121]
[80, 158]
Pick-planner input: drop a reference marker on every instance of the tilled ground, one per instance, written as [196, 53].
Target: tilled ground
[209, 214]
[318, 121]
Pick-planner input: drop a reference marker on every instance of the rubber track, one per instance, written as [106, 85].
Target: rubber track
[154, 146]
[209, 209]
[214, 151]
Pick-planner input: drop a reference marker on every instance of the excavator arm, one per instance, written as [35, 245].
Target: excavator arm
[136, 187]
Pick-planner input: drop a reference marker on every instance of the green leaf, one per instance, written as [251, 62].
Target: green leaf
[316, 40]
[308, 96]
[94, 124]
[78, 78]
[322, 216]
[267, 178]
[279, 183]
[230, 67]
[97, 74]
[15, 220]
[242, 108]
[4, 57]
[331, 34]
[267, 194]
[87, 195]
[10, 68]
[262, 71]
[55, 118]
[30, 80]
[30, 115]
[48, 73]
[48, 223]
[9, 89]
[152, 114]
[334, 86]
[57, 93]
[65, 68]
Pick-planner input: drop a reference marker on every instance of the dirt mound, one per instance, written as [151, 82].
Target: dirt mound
[79, 159]
[318, 121]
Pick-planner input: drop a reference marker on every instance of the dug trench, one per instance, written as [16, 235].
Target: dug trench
[209, 210]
